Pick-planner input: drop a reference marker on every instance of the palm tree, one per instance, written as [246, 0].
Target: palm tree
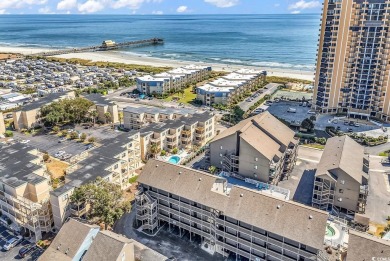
[212, 169]
[120, 115]
[154, 149]
[107, 116]
[93, 114]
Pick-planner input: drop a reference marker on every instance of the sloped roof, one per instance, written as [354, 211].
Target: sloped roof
[342, 153]
[68, 240]
[107, 246]
[261, 142]
[363, 247]
[286, 218]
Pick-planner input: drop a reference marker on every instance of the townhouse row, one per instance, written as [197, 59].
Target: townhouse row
[175, 79]
[225, 89]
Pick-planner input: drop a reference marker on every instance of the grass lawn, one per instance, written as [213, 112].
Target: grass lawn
[188, 96]
[315, 146]
[384, 154]
[56, 167]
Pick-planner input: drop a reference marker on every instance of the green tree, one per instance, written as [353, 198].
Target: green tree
[107, 117]
[120, 116]
[212, 169]
[93, 115]
[104, 199]
[307, 124]
[8, 133]
[91, 139]
[174, 150]
[163, 153]
[154, 149]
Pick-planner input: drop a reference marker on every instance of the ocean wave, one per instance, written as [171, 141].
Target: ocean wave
[233, 61]
[284, 65]
[28, 45]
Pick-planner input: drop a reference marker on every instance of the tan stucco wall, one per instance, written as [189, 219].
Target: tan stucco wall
[2, 124]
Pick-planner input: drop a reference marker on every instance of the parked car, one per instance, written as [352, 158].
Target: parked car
[357, 124]
[311, 112]
[292, 110]
[12, 242]
[338, 128]
[26, 250]
[25, 141]
[350, 130]
[62, 139]
[59, 153]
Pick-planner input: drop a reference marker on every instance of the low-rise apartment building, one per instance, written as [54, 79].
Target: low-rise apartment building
[172, 80]
[196, 129]
[114, 161]
[28, 116]
[24, 189]
[80, 241]
[134, 118]
[104, 106]
[341, 179]
[260, 148]
[2, 123]
[228, 219]
[365, 247]
[226, 88]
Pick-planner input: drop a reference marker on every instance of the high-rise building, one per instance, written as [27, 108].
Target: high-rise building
[353, 64]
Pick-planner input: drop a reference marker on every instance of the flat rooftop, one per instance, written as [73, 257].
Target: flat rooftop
[16, 168]
[210, 88]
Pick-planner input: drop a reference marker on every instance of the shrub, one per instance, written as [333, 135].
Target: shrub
[56, 129]
[8, 133]
[74, 135]
[133, 179]
[46, 157]
[91, 139]
[83, 136]
[175, 150]
[163, 153]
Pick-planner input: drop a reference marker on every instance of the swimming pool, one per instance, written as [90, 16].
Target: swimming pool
[174, 159]
[330, 232]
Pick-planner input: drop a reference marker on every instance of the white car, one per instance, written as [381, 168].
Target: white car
[59, 153]
[12, 242]
[25, 141]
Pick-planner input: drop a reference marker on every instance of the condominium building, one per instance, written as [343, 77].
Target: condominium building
[174, 79]
[134, 118]
[29, 115]
[24, 189]
[2, 123]
[104, 108]
[81, 241]
[341, 179]
[226, 218]
[196, 129]
[114, 161]
[362, 246]
[352, 74]
[225, 89]
[260, 148]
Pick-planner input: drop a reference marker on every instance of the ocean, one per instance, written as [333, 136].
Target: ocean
[275, 41]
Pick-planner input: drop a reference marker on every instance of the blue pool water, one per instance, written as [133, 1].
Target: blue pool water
[174, 159]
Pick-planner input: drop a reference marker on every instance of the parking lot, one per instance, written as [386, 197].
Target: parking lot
[51, 144]
[280, 110]
[12, 254]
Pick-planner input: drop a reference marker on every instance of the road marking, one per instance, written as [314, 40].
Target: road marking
[310, 160]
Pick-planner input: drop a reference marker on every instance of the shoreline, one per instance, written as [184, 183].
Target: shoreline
[139, 59]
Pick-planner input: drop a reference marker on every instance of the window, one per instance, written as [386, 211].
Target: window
[123, 257]
[221, 147]
[65, 197]
[116, 166]
[256, 159]
[340, 199]
[342, 182]
[341, 190]
[220, 154]
[255, 166]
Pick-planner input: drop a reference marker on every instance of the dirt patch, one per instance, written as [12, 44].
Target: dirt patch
[129, 194]
[56, 168]
[4, 56]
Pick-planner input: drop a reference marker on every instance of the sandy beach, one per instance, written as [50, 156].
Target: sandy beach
[133, 58]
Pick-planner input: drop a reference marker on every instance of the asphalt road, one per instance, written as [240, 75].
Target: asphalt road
[268, 89]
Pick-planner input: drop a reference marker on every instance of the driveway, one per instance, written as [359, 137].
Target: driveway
[268, 89]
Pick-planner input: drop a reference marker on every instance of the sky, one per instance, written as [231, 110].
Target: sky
[159, 7]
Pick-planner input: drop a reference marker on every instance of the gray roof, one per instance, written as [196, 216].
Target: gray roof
[98, 99]
[43, 101]
[102, 157]
[107, 246]
[286, 218]
[16, 168]
[342, 153]
[95, 164]
[68, 240]
[363, 247]
[155, 110]
[176, 123]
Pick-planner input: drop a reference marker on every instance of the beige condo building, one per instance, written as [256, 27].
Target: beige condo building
[24, 189]
[353, 63]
